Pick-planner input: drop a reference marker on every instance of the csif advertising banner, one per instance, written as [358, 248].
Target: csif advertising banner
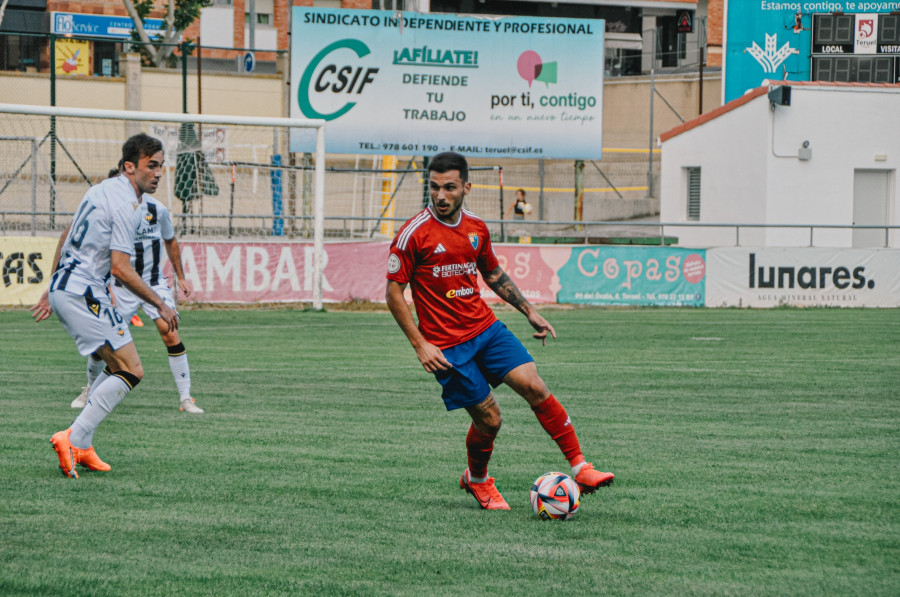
[803, 277]
[417, 83]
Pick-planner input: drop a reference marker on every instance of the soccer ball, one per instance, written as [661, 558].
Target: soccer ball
[555, 496]
[527, 208]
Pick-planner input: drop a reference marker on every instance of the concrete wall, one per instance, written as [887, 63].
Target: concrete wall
[626, 106]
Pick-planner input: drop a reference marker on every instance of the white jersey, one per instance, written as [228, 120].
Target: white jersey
[155, 226]
[106, 220]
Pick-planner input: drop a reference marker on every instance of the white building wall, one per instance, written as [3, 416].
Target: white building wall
[751, 172]
[731, 143]
[846, 128]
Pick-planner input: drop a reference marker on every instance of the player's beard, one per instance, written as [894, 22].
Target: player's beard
[452, 215]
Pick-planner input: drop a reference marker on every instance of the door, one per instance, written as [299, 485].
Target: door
[870, 206]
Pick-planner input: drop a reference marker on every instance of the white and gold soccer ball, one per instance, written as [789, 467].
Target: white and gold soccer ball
[527, 208]
[555, 496]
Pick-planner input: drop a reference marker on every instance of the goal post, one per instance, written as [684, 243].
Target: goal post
[197, 158]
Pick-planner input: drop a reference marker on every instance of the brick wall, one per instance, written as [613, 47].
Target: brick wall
[714, 32]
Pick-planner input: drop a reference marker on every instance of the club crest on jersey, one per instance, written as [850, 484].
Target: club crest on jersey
[473, 238]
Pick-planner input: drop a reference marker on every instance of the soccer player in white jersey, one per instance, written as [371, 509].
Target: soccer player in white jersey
[154, 232]
[97, 245]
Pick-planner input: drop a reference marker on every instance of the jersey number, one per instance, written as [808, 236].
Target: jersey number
[80, 225]
[112, 313]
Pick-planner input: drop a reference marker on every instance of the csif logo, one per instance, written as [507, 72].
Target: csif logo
[334, 78]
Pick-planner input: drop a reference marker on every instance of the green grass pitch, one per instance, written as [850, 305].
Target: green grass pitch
[755, 452]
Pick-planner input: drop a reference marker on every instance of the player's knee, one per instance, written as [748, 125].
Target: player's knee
[535, 390]
[137, 370]
[170, 338]
[492, 425]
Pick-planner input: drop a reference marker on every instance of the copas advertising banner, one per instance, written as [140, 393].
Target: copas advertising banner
[773, 277]
[418, 83]
[633, 276]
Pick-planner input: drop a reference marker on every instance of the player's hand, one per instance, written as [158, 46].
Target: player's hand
[185, 287]
[432, 358]
[41, 309]
[169, 315]
[542, 326]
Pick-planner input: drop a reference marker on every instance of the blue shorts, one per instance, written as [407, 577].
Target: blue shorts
[480, 364]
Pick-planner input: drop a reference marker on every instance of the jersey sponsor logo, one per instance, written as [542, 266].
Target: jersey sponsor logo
[455, 269]
[473, 238]
[393, 264]
[460, 292]
[440, 249]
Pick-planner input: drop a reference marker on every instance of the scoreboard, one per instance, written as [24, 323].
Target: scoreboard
[861, 48]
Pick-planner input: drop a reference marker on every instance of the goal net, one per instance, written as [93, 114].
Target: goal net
[224, 177]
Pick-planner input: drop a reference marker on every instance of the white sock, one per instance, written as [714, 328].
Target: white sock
[182, 374]
[101, 377]
[475, 479]
[94, 368]
[577, 468]
[104, 398]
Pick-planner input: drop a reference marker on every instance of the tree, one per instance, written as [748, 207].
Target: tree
[179, 15]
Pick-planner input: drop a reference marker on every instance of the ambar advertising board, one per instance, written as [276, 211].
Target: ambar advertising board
[418, 84]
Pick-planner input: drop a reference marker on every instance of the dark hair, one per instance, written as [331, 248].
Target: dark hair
[113, 172]
[450, 160]
[139, 146]
[520, 191]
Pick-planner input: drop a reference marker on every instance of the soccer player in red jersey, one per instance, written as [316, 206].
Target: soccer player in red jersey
[439, 252]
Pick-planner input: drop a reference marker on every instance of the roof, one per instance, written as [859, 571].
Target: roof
[755, 93]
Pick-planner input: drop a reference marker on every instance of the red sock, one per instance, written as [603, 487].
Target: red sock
[556, 422]
[479, 447]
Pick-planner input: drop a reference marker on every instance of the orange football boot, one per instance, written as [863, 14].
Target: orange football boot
[136, 321]
[89, 459]
[590, 479]
[485, 493]
[64, 451]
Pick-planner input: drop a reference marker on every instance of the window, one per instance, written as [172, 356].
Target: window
[261, 18]
[693, 194]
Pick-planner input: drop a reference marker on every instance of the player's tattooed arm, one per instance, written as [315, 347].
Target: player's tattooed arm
[500, 282]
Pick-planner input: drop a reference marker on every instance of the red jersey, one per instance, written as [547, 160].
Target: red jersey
[441, 262]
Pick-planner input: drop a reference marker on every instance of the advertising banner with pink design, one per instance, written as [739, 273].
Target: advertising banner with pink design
[249, 272]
